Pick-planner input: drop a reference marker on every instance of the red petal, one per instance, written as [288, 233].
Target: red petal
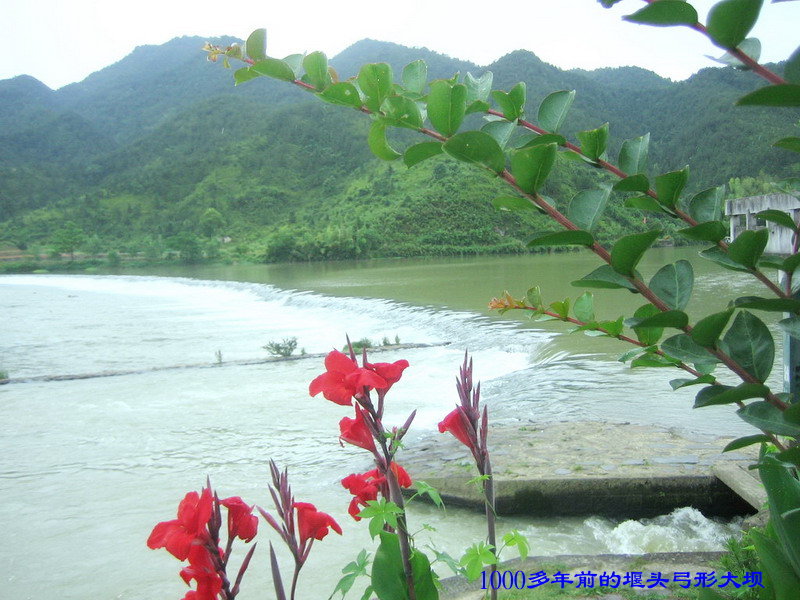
[338, 362]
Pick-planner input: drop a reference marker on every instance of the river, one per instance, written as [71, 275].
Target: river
[89, 466]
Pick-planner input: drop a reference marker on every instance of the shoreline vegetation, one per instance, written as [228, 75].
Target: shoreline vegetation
[13, 261]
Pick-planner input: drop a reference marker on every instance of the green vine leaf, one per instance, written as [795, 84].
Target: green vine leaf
[714, 395]
[750, 344]
[748, 247]
[587, 207]
[316, 67]
[379, 144]
[476, 147]
[634, 183]
[648, 335]
[447, 105]
[671, 318]
[669, 187]
[784, 94]
[478, 88]
[707, 330]
[419, 152]
[604, 277]
[593, 142]
[554, 108]
[707, 205]
[628, 251]
[377, 83]
[665, 13]
[633, 155]
[674, 283]
[710, 231]
[256, 45]
[531, 166]
[343, 94]
[512, 104]
[415, 76]
[730, 21]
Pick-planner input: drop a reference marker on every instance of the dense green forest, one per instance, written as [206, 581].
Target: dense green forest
[160, 153]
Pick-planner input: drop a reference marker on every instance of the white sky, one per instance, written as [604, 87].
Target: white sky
[62, 41]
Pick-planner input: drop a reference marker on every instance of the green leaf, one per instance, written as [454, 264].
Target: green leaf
[424, 583]
[244, 74]
[415, 76]
[475, 558]
[479, 106]
[500, 131]
[646, 203]
[652, 360]
[425, 489]
[316, 67]
[272, 67]
[295, 63]
[670, 185]
[562, 238]
[419, 152]
[791, 71]
[478, 148]
[790, 263]
[783, 493]
[778, 216]
[514, 204]
[515, 538]
[633, 155]
[779, 571]
[665, 13]
[584, 308]
[789, 143]
[719, 256]
[634, 183]
[791, 326]
[377, 83]
[671, 318]
[673, 284]
[604, 277]
[744, 442]
[256, 45]
[789, 305]
[707, 205]
[388, 578]
[531, 166]
[343, 94]
[677, 384]
[648, 335]
[534, 297]
[352, 570]
[750, 47]
[402, 112]
[586, 208]
[593, 142]
[710, 231]
[378, 143]
[478, 88]
[767, 417]
[725, 394]
[628, 251]
[707, 330]
[750, 344]
[539, 140]
[554, 108]
[730, 21]
[447, 106]
[512, 103]
[785, 94]
[685, 349]
[748, 247]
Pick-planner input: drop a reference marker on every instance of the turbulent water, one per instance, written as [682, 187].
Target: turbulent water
[90, 465]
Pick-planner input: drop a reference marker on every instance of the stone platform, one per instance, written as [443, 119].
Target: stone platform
[593, 468]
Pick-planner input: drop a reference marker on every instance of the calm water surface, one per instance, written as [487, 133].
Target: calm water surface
[90, 465]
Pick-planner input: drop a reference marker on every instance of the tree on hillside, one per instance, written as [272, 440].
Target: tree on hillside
[67, 239]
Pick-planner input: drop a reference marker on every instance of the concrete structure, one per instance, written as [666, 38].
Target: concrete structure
[743, 211]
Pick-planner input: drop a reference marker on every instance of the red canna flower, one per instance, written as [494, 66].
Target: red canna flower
[356, 432]
[343, 379]
[201, 569]
[364, 488]
[312, 523]
[403, 478]
[454, 423]
[178, 535]
[241, 522]
[390, 372]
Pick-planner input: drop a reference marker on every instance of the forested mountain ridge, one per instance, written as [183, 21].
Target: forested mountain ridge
[161, 146]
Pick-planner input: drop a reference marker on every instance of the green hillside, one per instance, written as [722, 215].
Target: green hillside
[161, 152]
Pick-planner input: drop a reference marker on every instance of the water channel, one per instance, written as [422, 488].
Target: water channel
[89, 466]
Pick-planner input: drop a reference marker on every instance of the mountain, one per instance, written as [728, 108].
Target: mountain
[161, 145]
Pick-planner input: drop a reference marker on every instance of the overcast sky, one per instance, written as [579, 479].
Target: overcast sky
[62, 41]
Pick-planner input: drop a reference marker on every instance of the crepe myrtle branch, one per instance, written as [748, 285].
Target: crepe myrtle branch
[755, 66]
[613, 169]
[597, 248]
